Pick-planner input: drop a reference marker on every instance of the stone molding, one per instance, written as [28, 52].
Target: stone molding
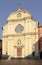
[15, 20]
[24, 34]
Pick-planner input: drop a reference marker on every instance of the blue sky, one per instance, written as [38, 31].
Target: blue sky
[8, 6]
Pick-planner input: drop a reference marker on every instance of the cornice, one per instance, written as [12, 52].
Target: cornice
[18, 46]
[15, 20]
[16, 35]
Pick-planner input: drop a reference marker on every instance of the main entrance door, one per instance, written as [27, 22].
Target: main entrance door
[19, 52]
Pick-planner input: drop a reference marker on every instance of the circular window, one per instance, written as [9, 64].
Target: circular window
[19, 28]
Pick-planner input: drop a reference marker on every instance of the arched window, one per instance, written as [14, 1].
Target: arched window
[18, 15]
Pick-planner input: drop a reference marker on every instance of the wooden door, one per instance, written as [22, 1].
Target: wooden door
[19, 52]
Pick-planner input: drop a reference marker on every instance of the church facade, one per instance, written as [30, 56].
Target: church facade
[20, 35]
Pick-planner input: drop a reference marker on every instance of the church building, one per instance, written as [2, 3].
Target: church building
[20, 35]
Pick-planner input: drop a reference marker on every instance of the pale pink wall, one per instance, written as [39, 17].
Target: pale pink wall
[40, 37]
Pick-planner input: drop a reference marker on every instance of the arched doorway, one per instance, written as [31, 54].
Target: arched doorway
[19, 52]
[19, 49]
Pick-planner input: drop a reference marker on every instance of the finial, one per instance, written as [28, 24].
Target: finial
[18, 6]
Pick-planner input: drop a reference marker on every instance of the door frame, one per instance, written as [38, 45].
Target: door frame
[19, 54]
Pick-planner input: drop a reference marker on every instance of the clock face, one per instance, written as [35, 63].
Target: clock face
[19, 28]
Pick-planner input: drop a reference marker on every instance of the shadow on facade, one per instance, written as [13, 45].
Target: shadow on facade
[31, 56]
[37, 54]
[4, 56]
